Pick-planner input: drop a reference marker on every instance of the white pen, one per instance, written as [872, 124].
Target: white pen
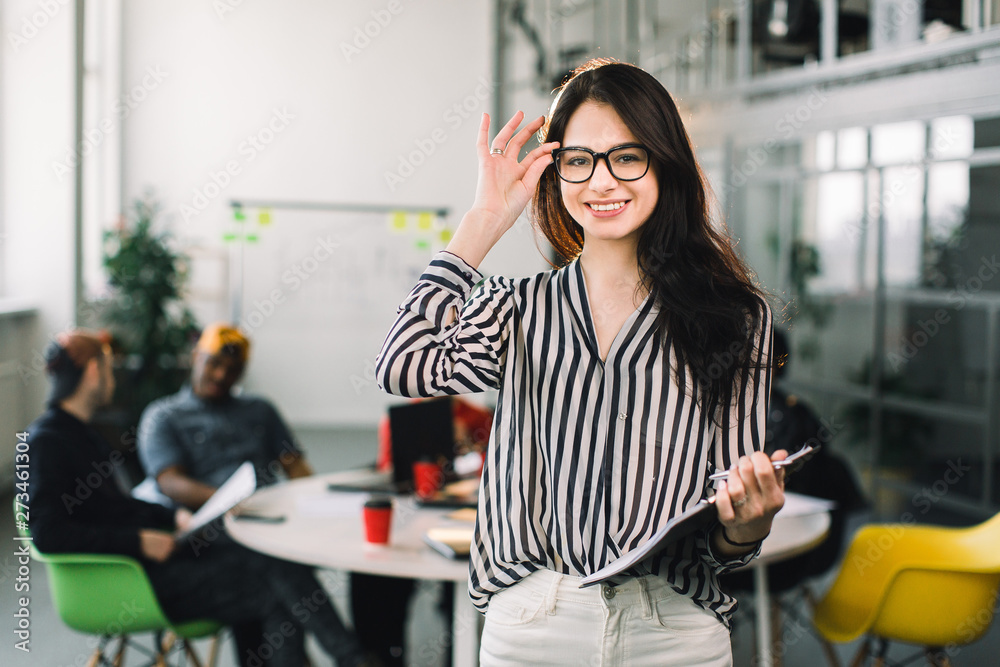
[798, 457]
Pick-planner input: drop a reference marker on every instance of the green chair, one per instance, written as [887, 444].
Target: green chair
[111, 596]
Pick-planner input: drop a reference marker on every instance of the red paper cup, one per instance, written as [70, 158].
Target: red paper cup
[427, 478]
[378, 519]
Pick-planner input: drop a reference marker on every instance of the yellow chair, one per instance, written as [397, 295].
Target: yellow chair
[931, 586]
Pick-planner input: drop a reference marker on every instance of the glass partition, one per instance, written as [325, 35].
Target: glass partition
[885, 261]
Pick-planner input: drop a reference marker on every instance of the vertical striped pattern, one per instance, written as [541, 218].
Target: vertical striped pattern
[587, 459]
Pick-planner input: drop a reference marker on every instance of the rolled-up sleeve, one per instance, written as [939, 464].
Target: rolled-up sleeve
[447, 340]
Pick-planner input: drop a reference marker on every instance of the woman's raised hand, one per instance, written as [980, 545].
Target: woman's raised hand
[505, 186]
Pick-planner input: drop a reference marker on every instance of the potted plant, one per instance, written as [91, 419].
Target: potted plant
[145, 313]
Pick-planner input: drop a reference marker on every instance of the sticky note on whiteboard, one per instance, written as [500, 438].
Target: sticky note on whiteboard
[397, 222]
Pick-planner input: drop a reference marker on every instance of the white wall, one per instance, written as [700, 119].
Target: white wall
[345, 119]
[37, 125]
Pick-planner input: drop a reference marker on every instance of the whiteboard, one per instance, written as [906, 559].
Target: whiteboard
[317, 291]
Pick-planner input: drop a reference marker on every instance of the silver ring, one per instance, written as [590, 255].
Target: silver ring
[741, 502]
[496, 151]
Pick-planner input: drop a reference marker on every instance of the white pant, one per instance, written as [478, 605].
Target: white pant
[546, 619]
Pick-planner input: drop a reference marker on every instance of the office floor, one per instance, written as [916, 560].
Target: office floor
[53, 645]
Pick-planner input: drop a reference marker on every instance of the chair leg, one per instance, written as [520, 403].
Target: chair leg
[119, 658]
[936, 657]
[881, 648]
[777, 650]
[190, 654]
[165, 642]
[831, 655]
[97, 657]
[213, 650]
[862, 655]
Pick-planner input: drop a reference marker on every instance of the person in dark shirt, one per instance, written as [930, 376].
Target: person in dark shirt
[77, 506]
[192, 441]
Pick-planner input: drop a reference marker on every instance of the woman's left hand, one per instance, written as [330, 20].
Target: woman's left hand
[748, 500]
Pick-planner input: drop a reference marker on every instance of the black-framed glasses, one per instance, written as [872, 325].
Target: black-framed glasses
[626, 163]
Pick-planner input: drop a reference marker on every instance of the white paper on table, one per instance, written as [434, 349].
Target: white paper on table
[331, 504]
[797, 504]
[240, 486]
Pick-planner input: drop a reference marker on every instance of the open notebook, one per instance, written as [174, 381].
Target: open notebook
[699, 515]
[240, 486]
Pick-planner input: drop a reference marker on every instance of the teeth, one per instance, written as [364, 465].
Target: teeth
[607, 207]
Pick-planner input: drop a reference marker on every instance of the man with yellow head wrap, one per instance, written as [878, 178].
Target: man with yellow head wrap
[193, 441]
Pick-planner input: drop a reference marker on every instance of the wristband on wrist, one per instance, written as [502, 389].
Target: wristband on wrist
[743, 545]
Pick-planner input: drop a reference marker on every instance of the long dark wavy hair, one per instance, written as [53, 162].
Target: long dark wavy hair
[707, 298]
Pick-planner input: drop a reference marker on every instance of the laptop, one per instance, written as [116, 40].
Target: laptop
[421, 430]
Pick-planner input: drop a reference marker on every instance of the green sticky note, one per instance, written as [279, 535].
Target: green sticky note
[397, 222]
[264, 216]
[229, 236]
[425, 221]
[422, 245]
[238, 214]
[252, 238]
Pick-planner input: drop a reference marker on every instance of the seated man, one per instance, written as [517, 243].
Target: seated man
[222, 581]
[191, 442]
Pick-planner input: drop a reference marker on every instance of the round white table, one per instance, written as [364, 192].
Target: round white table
[324, 528]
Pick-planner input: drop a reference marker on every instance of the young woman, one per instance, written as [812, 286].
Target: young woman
[625, 378]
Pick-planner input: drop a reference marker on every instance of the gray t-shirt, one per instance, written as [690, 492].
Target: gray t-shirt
[211, 440]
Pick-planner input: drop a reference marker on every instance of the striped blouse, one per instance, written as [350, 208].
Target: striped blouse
[587, 458]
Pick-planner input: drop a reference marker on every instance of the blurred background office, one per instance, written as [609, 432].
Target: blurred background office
[304, 159]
